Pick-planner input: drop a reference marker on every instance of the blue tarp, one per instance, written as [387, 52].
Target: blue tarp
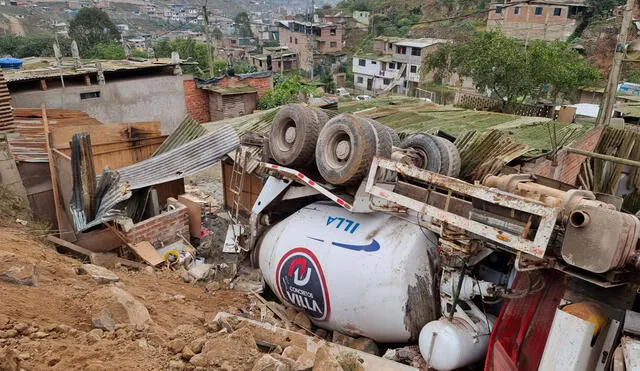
[10, 62]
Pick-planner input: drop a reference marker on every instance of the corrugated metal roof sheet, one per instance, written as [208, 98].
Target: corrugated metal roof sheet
[114, 187]
[188, 130]
[183, 161]
[6, 112]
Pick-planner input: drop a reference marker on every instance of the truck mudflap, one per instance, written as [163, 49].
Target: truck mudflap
[521, 330]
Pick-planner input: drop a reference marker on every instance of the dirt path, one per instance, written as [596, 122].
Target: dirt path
[15, 26]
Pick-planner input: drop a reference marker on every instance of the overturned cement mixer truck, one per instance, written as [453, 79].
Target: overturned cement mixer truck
[373, 236]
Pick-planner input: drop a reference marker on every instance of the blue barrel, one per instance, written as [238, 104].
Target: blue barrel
[9, 62]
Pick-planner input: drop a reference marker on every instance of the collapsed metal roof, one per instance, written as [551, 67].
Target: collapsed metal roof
[116, 186]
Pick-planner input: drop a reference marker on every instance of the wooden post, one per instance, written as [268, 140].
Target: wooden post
[52, 170]
[609, 99]
[600, 156]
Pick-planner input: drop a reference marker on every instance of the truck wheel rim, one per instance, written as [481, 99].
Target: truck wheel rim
[287, 136]
[339, 150]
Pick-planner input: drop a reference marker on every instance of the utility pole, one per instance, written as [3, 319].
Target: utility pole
[610, 92]
[313, 37]
[207, 34]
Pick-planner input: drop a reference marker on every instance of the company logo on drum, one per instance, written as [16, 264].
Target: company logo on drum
[300, 281]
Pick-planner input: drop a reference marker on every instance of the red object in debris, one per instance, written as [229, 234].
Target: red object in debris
[521, 330]
[204, 232]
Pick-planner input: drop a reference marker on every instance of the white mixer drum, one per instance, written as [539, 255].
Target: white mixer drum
[367, 275]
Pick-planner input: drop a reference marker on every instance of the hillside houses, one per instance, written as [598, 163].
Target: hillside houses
[313, 43]
[395, 66]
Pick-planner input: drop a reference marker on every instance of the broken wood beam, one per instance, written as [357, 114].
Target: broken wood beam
[623, 161]
[84, 176]
[102, 259]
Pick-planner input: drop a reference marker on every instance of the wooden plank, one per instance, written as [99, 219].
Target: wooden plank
[147, 252]
[71, 246]
[52, 170]
[103, 259]
[194, 209]
[102, 240]
[106, 133]
[117, 155]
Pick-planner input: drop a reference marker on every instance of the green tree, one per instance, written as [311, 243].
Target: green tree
[511, 71]
[243, 67]
[326, 78]
[139, 53]
[285, 91]
[90, 27]
[216, 33]
[112, 50]
[243, 25]
[31, 46]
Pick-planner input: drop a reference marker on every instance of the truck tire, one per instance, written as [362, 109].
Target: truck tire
[294, 133]
[449, 156]
[395, 139]
[427, 149]
[345, 149]
[322, 115]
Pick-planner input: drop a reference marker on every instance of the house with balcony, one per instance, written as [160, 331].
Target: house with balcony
[548, 20]
[395, 67]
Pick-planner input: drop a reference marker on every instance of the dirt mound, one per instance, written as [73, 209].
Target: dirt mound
[50, 325]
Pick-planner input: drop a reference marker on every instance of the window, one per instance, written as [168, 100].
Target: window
[296, 40]
[332, 32]
[516, 10]
[362, 62]
[89, 95]
[392, 66]
[557, 12]
[573, 12]
[390, 46]
[498, 9]
[360, 80]
[290, 39]
[374, 62]
[538, 10]
[333, 44]
[413, 69]
[386, 81]
[401, 49]
[416, 51]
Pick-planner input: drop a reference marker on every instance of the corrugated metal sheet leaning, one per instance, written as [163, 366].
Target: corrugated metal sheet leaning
[116, 186]
[188, 130]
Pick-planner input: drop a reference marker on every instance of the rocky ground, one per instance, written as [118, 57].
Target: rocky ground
[60, 313]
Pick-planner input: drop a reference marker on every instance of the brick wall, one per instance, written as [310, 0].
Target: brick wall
[528, 25]
[162, 229]
[261, 84]
[197, 101]
[569, 164]
[298, 43]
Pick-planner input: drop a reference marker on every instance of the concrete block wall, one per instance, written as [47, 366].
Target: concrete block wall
[197, 101]
[162, 229]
